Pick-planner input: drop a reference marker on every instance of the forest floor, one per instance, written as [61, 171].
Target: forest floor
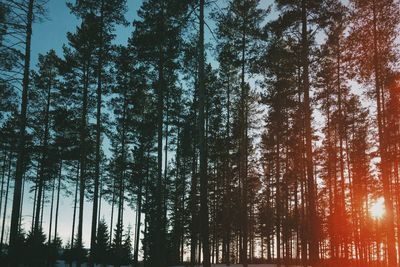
[240, 265]
[63, 264]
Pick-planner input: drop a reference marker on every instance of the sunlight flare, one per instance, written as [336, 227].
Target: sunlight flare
[377, 209]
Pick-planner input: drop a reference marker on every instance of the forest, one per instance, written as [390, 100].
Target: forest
[249, 132]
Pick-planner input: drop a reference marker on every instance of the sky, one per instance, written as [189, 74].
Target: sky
[51, 33]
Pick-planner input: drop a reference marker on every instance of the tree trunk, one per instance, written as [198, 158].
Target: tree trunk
[98, 142]
[15, 214]
[243, 149]
[5, 203]
[42, 210]
[138, 223]
[58, 201]
[51, 210]
[75, 204]
[391, 237]
[341, 154]
[34, 202]
[82, 157]
[112, 213]
[22, 200]
[159, 254]
[278, 200]
[202, 147]
[3, 175]
[311, 192]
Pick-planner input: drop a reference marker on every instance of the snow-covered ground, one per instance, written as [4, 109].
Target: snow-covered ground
[240, 265]
[63, 264]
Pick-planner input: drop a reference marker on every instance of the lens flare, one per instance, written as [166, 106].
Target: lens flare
[377, 209]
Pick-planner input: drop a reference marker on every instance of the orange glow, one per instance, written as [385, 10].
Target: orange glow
[377, 209]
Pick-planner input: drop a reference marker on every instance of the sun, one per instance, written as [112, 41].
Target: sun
[377, 209]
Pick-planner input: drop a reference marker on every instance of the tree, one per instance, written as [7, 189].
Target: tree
[202, 146]
[102, 251]
[126, 257]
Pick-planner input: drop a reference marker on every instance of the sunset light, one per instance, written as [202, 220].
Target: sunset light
[377, 209]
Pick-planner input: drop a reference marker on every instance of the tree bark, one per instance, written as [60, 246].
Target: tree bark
[58, 201]
[202, 147]
[15, 214]
[98, 142]
[3, 175]
[5, 203]
[75, 204]
[51, 210]
[82, 156]
[385, 172]
[312, 212]
[243, 149]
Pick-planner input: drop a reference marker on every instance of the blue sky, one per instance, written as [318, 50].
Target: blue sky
[51, 33]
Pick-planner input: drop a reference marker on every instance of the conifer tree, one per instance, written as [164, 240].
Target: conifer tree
[102, 252]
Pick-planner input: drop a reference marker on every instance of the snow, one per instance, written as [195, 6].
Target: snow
[240, 265]
[63, 264]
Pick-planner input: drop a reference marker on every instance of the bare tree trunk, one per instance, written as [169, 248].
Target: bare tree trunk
[5, 203]
[34, 201]
[15, 214]
[243, 151]
[43, 161]
[3, 175]
[312, 211]
[278, 199]
[391, 237]
[100, 196]
[159, 250]
[112, 213]
[58, 201]
[202, 147]
[42, 209]
[139, 211]
[51, 210]
[75, 204]
[22, 200]
[193, 210]
[98, 142]
[82, 157]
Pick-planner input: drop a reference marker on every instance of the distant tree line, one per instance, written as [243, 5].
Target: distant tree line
[238, 131]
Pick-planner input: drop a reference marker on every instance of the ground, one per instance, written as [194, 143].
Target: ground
[62, 264]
